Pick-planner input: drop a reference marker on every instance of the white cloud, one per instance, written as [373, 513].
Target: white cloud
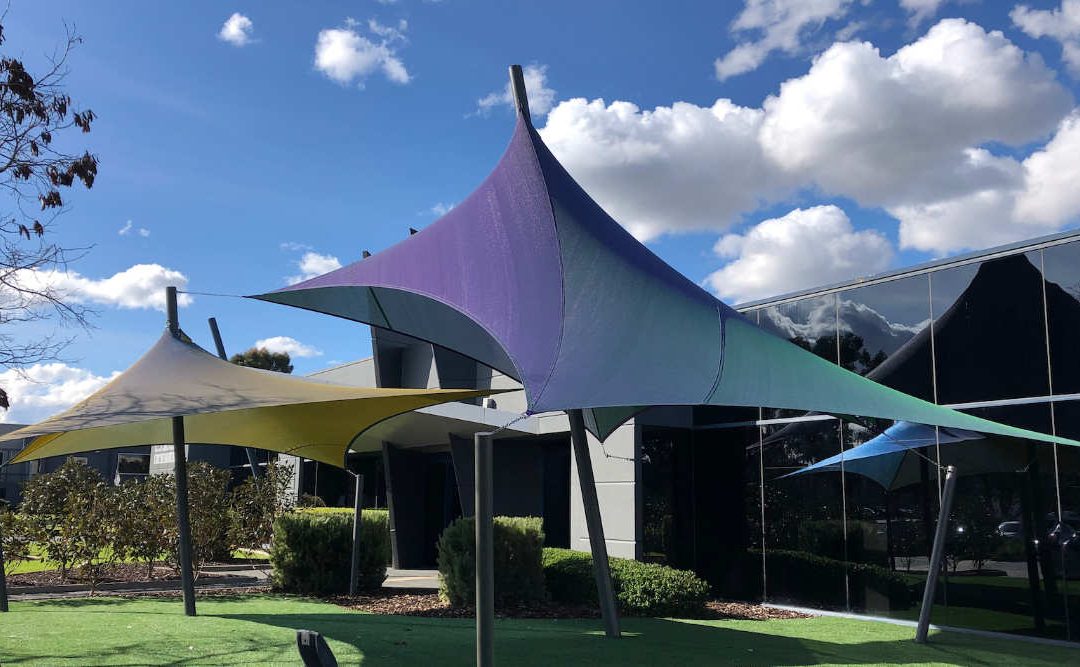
[674, 168]
[781, 24]
[293, 246]
[920, 10]
[141, 286]
[906, 133]
[42, 390]
[129, 227]
[289, 346]
[313, 264]
[440, 209]
[346, 56]
[236, 30]
[1039, 196]
[809, 246]
[541, 97]
[897, 129]
[1062, 24]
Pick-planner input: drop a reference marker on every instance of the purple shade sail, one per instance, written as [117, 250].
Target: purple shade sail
[530, 276]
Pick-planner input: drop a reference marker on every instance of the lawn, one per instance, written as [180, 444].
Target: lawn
[260, 630]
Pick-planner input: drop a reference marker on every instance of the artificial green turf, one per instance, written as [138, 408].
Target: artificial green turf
[260, 630]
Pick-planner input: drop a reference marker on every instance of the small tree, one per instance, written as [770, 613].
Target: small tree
[70, 515]
[15, 538]
[208, 500]
[259, 357]
[146, 520]
[256, 503]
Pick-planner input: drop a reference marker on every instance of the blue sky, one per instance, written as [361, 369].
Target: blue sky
[239, 137]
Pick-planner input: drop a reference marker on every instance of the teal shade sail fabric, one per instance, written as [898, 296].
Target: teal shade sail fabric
[530, 276]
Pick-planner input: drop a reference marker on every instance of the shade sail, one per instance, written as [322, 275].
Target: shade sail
[223, 404]
[893, 459]
[530, 276]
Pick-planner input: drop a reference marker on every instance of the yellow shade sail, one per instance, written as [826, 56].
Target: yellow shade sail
[222, 404]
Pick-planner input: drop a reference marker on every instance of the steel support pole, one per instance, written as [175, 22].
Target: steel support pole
[183, 519]
[3, 578]
[605, 591]
[354, 571]
[253, 459]
[485, 552]
[936, 555]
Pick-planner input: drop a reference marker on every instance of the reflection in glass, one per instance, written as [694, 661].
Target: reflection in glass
[989, 333]
[884, 331]
[1062, 270]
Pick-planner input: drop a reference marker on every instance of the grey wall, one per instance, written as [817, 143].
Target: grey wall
[616, 490]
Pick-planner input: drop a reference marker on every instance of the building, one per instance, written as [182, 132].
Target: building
[993, 332]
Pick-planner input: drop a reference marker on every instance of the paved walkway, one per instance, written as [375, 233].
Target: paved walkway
[225, 576]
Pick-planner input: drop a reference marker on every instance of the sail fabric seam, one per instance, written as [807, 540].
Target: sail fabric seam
[534, 401]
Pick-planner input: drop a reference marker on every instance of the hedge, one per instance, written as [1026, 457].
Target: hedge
[817, 580]
[641, 589]
[312, 550]
[519, 572]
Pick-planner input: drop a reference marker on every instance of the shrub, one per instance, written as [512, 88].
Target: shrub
[818, 580]
[256, 503]
[14, 537]
[641, 589]
[308, 500]
[146, 520]
[311, 551]
[208, 503]
[519, 571]
[71, 513]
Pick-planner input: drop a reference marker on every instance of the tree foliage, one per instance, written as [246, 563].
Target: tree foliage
[14, 538]
[256, 503]
[208, 502]
[35, 170]
[71, 513]
[146, 520]
[260, 357]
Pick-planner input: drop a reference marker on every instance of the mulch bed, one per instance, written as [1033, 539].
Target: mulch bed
[429, 604]
[118, 572]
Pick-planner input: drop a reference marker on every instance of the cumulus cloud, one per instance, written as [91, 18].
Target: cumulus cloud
[809, 246]
[897, 129]
[1061, 24]
[313, 264]
[1039, 197]
[42, 390]
[289, 346]
[780, 25]
[906, 132]
[141, 286]
[676, 168]
[236, 30]
[130, 228]
[541, 96]
[347, 56]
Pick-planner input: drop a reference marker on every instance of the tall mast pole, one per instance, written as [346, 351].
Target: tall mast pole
[183, 518]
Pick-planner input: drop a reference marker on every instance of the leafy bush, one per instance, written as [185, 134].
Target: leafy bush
[815, 579]
[641, 589]
[311, 551]
[256, 503]
[208, 503]
[14, 537]
[308, 500]
[518, 547]
[146, 520]
[71, 512]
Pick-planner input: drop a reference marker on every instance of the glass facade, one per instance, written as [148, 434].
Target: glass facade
[997, 336]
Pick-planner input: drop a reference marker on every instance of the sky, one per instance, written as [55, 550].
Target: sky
[758, 147]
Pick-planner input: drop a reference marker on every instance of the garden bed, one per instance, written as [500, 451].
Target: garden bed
[430, 604]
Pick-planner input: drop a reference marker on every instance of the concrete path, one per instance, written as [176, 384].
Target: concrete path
[425, 579]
